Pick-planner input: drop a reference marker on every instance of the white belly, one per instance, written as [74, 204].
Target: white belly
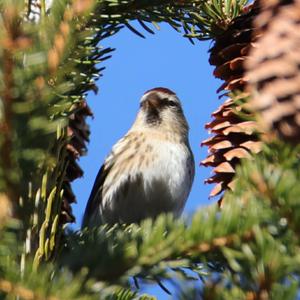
[171, 169]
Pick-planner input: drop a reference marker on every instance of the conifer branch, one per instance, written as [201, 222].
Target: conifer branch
[9, 287]
[6, 126]
[13, 40]
[219, 242]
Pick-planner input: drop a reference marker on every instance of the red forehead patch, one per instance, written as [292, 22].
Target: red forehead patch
[161, 89]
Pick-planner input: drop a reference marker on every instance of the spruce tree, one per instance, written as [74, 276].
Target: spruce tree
[51, 57]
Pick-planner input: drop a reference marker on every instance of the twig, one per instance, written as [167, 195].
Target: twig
[219, 242]
[9, 287]
[144, 5]
[7, 95]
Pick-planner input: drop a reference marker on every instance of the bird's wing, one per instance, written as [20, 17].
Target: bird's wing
[95, 197]
[91, 214]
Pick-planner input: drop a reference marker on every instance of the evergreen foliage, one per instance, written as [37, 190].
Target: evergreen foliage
[247, 250]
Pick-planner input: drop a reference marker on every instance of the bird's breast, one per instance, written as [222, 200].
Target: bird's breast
[157, 178]
[173, 167]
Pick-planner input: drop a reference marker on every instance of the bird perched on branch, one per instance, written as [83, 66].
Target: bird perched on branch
[150, 170]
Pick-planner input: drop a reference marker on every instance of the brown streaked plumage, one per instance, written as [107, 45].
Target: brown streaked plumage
[150, 170]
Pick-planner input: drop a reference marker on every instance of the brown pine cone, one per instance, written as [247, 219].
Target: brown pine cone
[233, 137]
[274, 68]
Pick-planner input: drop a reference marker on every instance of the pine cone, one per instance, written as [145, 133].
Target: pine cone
[79, 132]
[231, 49]
[273, 68]
[233, 138]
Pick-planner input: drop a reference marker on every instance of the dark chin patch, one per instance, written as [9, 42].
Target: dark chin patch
[153, 117]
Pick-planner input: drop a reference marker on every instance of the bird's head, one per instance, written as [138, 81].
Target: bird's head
[161, 108]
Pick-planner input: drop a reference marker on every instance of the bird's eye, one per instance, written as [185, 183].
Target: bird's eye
[172, 103]
[167, 102]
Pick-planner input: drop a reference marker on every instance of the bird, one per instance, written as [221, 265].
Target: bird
[150, 170]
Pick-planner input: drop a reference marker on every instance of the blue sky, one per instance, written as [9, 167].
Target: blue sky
[164, 59]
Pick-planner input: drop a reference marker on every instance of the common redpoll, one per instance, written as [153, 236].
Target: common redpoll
[150, 170]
